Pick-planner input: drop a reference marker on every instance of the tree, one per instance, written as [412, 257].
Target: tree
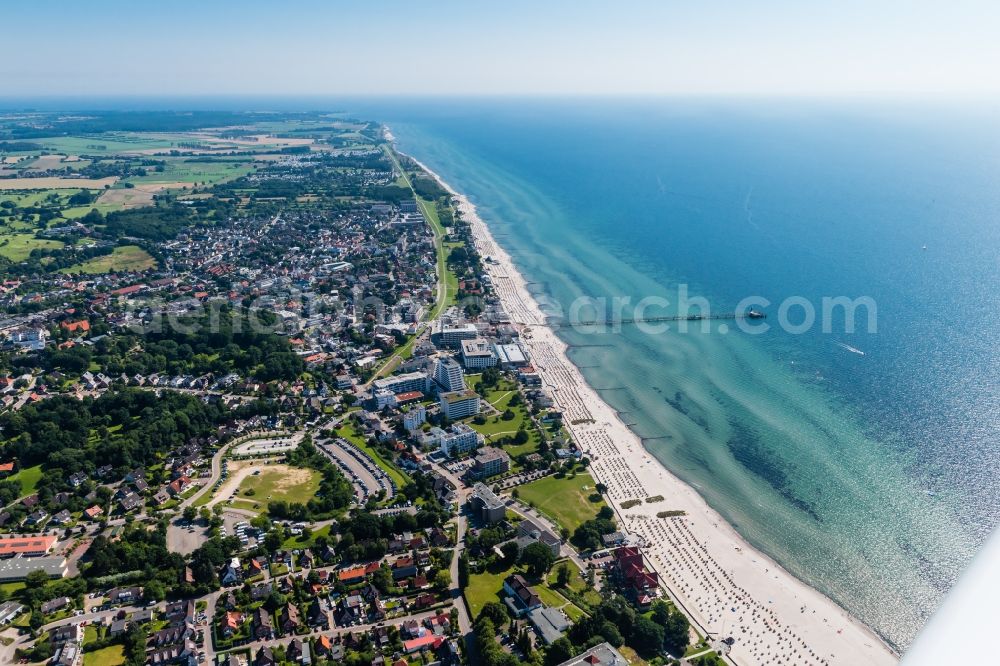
[190, 513]
[36, 579]
[538, 558]
[490, 377]
[510, 552]
[647, 636]
[442, 579]
[382, 578]
[561, 650]
[495, 612]
[562, 575]
[154, 591]
[676, 633]
[274, 539]
[660, 612]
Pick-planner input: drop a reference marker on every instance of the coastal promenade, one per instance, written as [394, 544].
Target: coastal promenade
[726, 586]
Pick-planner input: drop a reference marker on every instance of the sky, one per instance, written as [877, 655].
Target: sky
[445, 47]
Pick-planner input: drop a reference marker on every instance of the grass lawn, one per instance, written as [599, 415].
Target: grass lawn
[17, 247]
[496, 427]
[123, 258]
[577, 583]
[549, 596]
[281, 482]
[109, 656]
[248, 505]
[633, 658]
[29, 478]
[297, 542]
[10, 589]
[482, 588]
[565, 500]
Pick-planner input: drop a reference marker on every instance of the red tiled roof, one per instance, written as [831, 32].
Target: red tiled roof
[30, 544]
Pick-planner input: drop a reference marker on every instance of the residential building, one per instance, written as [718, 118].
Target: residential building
[491, 508]
[69, 654]
[460, 440]
[451, 336]
[414, 417]
[520, 597]
[478, 354]
[459, 404]
[449, 375]
[490, 462]
[529, 532]
[404, 383]
[8, 611]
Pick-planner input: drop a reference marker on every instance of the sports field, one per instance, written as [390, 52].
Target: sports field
[280, 482]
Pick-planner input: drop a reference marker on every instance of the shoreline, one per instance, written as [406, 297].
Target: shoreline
[724, 584]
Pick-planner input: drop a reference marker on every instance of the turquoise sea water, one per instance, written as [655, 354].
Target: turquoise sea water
[873, 477]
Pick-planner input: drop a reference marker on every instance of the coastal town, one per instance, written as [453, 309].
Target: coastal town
[273, 394]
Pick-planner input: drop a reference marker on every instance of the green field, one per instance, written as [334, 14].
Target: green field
[29, 478]
[29, 198]
[104, 144]
[565, 500]
[109, 656]
[482, 588]
[123, 258]
[17, 247]
[281, 483]
[185, 171]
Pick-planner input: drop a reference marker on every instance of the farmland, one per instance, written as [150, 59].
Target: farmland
[124, 258]
[18, 246]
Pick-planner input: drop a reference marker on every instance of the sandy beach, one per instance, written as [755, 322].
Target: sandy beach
[726, 586]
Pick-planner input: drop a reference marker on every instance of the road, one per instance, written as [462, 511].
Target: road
[455, 591]
[440, 299]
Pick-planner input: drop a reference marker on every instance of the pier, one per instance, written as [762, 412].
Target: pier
[749, 314]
